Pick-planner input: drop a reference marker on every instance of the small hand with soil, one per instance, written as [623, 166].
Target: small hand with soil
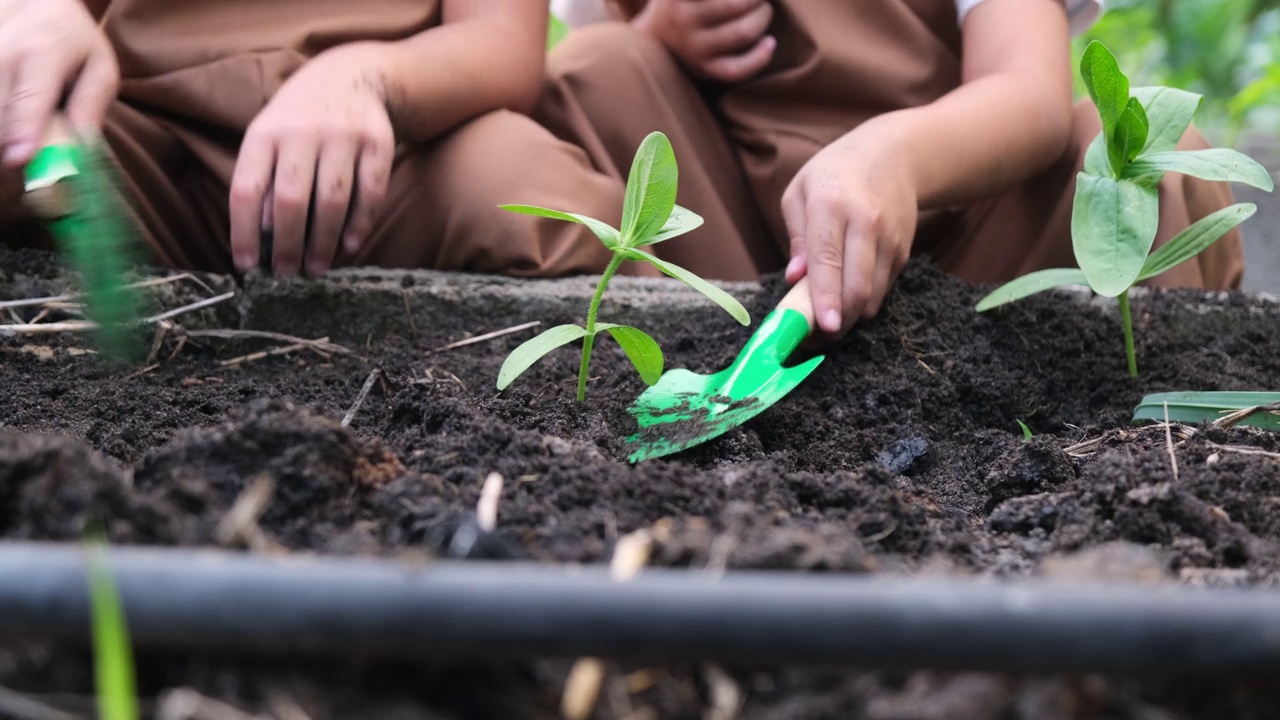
[851, 213]
[49, 50]
[314, 165]
[720, 40]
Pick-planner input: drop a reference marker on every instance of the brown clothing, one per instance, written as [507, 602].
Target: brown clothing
[195, 73]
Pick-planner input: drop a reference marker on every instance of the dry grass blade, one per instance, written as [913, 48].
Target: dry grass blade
[20, 707]
[1245, 450]
[192, 307]
[86, 325]
[364, 393]
[723, 694]
[487, 336]
[1239, 416]
[1168, 440]
[321, 344]
[72, 297]
[263, 354]
[239, 527]
[187, 704]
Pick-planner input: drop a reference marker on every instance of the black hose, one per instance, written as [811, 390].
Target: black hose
[304, 605]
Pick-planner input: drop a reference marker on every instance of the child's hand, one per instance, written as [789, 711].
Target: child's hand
[851, 213]
[720, 40]
[325, 138]
[49, 50]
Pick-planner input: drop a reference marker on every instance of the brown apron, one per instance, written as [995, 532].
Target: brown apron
[837, 63]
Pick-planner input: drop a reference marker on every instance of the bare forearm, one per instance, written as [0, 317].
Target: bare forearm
[979, 139]
[447, 75]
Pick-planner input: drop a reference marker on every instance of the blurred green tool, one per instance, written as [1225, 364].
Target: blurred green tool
[73, 186]
[684, 408]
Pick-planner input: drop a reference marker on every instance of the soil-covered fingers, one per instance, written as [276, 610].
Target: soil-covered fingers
[294, 181]
[249, 213]
[826, 227]
[335, 176]
[373, 173]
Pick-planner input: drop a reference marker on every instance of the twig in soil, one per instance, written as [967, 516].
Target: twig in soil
[86, 325]
[487, 507]
[1243, 414]
[71, 297]
[1168, 442]
[429, 378]
[364, 393]
[322, 344]
[20, 707]
[408, 313]
[1245, 450]
[486, 336]
[187, 704]
[723, 693]
[140, 373]
[239, 527]
[582, 687]
[311, 345]
[192, 307]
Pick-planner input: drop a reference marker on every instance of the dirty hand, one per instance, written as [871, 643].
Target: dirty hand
[720, 40]
[49, 50]
[851, 213]
[323, 146]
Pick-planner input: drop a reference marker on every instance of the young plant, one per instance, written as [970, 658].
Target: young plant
[1116, 211]
[649, 216]
[113, 657]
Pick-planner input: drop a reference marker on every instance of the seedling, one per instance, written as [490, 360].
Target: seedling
[113, 657]
[649, 216]
[1116, 212]
[1026, 431]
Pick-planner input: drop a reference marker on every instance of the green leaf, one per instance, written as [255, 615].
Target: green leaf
[1192, 241]
[651, 190]
[1107, 85]
[642, 350]
[112, 654]
[1026, 431]
[1030, 284]
[1096, 161]
[682, 220]
[603, 230]
[532, 350]
[1129, 136]
[1113, 225]
[1220, 164]
[1170, 112]
[1195, 407]
[715, 294]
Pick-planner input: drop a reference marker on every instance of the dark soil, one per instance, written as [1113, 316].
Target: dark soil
[901, 453]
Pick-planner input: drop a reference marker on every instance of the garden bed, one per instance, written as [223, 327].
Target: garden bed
[901, 454]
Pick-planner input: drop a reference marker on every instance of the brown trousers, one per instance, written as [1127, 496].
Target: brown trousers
[608, 86]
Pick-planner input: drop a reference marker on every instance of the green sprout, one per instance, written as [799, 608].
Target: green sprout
[112, 655]
[1116, 211]
[1255, 409]
[1026, 431]
[649, 216]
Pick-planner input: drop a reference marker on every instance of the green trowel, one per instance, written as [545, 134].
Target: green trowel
[72, 185]
[684, 408]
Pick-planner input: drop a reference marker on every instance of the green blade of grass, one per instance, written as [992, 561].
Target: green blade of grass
[112, 654]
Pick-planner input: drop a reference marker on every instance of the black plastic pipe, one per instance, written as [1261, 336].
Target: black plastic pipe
[305, 605]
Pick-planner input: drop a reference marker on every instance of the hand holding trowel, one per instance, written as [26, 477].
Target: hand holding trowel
[72, 185]
[684, 408]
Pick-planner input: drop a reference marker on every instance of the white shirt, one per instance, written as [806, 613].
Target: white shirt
[1083, 13]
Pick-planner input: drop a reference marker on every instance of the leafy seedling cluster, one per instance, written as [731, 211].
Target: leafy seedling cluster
[650, 215]
[1116, 210]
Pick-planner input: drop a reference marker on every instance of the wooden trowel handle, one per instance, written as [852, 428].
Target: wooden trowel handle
[799, 299]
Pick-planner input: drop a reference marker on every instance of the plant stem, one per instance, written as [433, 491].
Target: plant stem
[1126, 319]
[589, 340]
